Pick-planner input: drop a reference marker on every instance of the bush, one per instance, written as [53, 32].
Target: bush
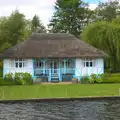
[84, 79]
[8, 79]
[27, 77]
[99, 78]
[2, 81]
[20, 82]
[92, 81]
[96, 78]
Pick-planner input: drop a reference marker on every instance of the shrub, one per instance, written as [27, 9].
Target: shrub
[17, 78]
[99, 78]
[1, 81]
[84, 79]
[27, 77]
[92, 81]
[8, 79]
[96, 78]
[20, 82]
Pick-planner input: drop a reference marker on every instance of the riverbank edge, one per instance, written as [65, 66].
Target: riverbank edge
[62, 99]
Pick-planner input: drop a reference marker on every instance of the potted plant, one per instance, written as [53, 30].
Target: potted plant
[74, 80]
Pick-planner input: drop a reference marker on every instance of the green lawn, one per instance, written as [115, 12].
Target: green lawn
[56, 91]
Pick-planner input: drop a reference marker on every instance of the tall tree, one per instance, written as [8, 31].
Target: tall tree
[15, 26]
[70, 17]
[37, 26]
[107, 10]
[105, 36]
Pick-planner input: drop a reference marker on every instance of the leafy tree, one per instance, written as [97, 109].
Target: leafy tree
[105, 36]
[70, 17]
[37, 26]
[107, 10]
[15, 27]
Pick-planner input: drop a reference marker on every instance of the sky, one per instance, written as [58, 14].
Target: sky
[43, 8]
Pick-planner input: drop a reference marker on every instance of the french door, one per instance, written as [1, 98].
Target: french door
[54, 66]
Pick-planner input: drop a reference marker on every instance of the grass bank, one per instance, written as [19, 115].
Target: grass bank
[56, 91]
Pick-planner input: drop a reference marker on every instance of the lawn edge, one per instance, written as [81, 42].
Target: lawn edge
[88, 98]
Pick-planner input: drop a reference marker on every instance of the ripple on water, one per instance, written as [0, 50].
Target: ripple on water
[77, 110]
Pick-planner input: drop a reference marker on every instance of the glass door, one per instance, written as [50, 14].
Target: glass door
[54, 66]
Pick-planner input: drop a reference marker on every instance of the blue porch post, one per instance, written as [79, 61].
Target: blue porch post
[64, 65]
[59, 70]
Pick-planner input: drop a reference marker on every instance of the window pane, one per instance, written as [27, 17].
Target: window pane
[16, 65]
[91, 64]
[20, 59]
[87, 64]
[20, 64]
[16, 59]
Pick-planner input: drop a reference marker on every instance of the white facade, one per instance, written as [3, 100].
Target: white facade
[96, 67]
[9, 68]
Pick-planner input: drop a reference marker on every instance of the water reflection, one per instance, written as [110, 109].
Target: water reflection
[77, 110]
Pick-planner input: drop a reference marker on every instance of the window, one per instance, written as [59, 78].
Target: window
[88, 62]
[39, 64]
[18, 63]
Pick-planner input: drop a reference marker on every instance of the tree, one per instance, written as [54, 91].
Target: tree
[13, 29]
[70, 17]
[107, 10]
[105, 36]
[37, 26]
[15, 26]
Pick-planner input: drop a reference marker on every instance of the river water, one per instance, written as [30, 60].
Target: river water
[77, 110]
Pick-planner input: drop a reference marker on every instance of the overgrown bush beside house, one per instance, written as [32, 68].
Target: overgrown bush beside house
[23, 78]
[17, 79]
[27, 78]
[8, 79]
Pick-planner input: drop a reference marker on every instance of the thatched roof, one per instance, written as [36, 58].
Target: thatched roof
[52, 45]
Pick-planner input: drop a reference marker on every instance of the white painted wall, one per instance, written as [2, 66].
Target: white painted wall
[8, 68]
[81, 70]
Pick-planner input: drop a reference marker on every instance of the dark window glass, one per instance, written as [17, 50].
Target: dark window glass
[87, 64]
[91, 64]
[20, 64]
[16, 65]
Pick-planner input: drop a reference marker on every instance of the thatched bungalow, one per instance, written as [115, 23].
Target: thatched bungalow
[53, 56]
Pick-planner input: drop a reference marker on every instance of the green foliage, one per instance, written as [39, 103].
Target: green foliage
[2, 81]
[17, 76]
[9, 77]
[111, 78]
[37, 26]
[96, 78]
[27, 78]
[92, 81]
[93, 78]
[17, 79]
[5, 46]
[70, 16]
[20, 82]
[107, 10]
[84, 79]
[105, 36]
